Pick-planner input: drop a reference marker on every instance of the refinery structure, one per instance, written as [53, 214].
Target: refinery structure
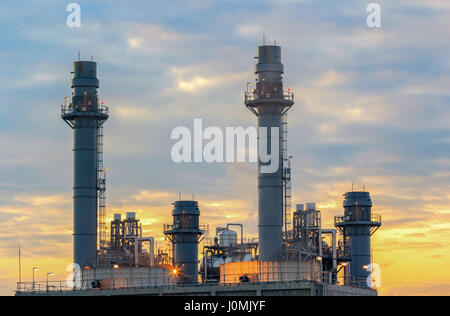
[293, 254]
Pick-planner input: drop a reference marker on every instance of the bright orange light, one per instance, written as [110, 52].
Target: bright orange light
[87, 268]
[116, 266]
[174, 271]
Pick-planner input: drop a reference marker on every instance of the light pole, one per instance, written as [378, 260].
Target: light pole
[49, 274]
[34, 270]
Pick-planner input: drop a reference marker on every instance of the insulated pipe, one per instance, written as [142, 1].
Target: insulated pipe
[242, 231]
[150, 240]
[334, 242]
[136, 247]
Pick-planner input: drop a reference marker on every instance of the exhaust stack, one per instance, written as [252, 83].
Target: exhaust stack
[269, 102]
[85, 116]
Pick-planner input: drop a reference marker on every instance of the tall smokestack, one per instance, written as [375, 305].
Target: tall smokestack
[85, 116]
[269, 102]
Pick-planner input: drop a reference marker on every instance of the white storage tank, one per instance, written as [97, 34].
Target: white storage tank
[310, 206]
[227, 238]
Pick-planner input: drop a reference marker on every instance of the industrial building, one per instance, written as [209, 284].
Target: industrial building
[293, 254]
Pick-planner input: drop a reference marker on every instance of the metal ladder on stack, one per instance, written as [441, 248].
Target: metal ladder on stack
[286, 177]
[101, 191]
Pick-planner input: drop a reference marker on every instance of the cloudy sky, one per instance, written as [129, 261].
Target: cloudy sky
[372, 107]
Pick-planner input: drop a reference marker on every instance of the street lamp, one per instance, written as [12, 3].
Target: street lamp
[34, 270]
[49, 274]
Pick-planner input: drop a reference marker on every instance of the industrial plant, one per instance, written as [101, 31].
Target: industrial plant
[292, 255]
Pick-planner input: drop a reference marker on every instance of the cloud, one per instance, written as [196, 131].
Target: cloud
[152, 39]
[190, 79]
[250, 30]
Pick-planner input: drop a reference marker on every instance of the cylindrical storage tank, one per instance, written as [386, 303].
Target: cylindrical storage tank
[300, 207]
[219, 229]
[310, 206]
[227, 238]
[131, 215]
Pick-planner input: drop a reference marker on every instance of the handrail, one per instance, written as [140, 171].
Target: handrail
[71, 109]
[374, 218]
[167, 281]
[256, 96]
[170, 227]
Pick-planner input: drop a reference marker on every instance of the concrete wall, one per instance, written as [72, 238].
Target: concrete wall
[269, 271]
[127, 278]
[293, 288]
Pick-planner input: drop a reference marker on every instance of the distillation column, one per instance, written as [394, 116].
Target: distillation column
[269, 102]
[357, 226]
[85, 116]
